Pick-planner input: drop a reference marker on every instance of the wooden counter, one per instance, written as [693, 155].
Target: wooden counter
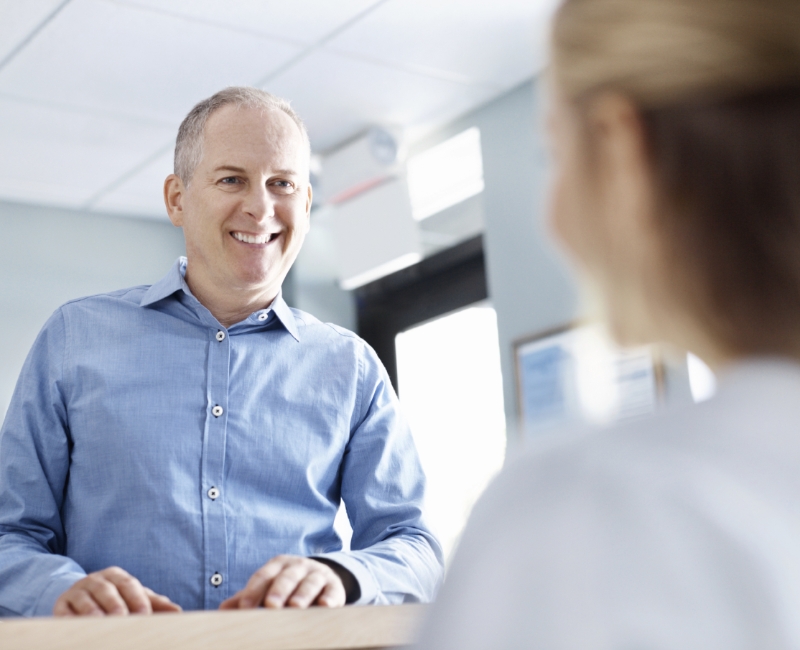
[287, 629]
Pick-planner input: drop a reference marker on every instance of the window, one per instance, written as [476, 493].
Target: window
[452, 393]
[702, 381]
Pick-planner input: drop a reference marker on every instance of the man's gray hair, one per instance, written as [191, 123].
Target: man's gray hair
[189, 144]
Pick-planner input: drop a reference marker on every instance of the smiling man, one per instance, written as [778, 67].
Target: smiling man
[187, 444]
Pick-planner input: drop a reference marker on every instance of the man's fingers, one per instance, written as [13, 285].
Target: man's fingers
[334, 595]
[291, 581]
[111, 591]
[131, 591]
[62, 608]
[232, 602]
[285, 584]
[255, 589]
[105, 594]
[93, 595]
[160, 603]
[82, 604]
[307, 591]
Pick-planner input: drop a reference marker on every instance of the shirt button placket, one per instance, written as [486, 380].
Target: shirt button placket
[215, 534]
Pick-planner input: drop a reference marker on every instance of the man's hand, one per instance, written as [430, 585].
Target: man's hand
[290, 581]
[111, 591]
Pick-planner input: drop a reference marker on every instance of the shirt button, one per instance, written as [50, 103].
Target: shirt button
[213, 493]
[220, 336]
[216, 579]
[263, 316]
[217, 411]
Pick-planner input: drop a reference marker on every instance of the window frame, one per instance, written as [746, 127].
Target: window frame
[444, 282]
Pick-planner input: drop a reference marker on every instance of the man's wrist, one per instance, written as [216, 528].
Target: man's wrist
[351, 586]
[47, 599]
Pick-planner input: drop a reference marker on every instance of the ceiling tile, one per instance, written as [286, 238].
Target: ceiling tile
[497, 42]
[302, 21]
[104, 85]
[60, 157]
[338, 96]
[142, 193]
[109, 56]
[20, 19]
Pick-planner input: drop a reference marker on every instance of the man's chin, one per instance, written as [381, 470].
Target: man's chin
[261, 275]
[259, 280]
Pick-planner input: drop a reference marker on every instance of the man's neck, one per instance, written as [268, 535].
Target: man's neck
[231, 305]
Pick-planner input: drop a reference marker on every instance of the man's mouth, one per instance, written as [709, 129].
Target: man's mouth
[255, 239]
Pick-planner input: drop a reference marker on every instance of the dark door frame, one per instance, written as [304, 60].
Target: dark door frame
[439, 284]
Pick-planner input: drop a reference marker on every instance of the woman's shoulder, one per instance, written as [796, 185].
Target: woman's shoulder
[652, 518]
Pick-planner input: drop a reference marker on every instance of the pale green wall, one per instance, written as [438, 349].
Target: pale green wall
[49, 256]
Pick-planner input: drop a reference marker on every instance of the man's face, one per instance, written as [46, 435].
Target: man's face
[245, 212]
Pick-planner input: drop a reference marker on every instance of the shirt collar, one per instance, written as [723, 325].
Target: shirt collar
[169, 284]
[285, 316]
[174, 281]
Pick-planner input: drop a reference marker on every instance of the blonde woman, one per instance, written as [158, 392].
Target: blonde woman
[676, 133]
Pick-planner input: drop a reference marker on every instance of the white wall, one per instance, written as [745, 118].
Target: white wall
[49, 256]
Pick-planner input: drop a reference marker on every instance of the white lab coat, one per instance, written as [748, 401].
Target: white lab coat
[680, 531]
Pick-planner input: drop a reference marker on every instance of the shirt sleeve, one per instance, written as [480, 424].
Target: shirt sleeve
[394, 556]
[34, 463]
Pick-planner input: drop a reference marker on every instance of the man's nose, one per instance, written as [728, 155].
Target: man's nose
[259, 202]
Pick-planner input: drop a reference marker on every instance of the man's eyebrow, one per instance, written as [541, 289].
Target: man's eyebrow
[241, 170]
[230, 168]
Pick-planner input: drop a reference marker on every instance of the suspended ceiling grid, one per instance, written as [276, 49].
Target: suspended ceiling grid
[92, 91]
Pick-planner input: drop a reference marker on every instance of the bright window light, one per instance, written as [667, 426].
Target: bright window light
[451, 390]
[445, 174]
[701, 378]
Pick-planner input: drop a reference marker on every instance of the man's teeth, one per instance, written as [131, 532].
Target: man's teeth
[252, 239]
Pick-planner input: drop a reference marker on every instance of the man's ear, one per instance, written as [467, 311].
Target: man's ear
[308, 207]
[173, 199]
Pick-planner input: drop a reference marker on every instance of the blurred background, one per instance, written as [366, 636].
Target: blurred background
[429, 172]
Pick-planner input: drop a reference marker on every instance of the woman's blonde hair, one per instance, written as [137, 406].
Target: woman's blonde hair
[717, 85]
[661, 52]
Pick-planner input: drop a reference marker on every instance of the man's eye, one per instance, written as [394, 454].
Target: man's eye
[284, 186]
[230, 180]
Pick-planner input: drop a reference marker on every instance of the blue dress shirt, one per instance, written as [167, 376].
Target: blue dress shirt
[144, 434]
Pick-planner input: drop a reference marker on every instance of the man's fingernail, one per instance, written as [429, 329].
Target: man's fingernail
[245, 602]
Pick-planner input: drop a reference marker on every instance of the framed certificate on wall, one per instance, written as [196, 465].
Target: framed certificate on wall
[576, 373]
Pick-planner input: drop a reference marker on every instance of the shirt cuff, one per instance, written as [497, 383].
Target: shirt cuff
[366, 583]
[62, 582]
